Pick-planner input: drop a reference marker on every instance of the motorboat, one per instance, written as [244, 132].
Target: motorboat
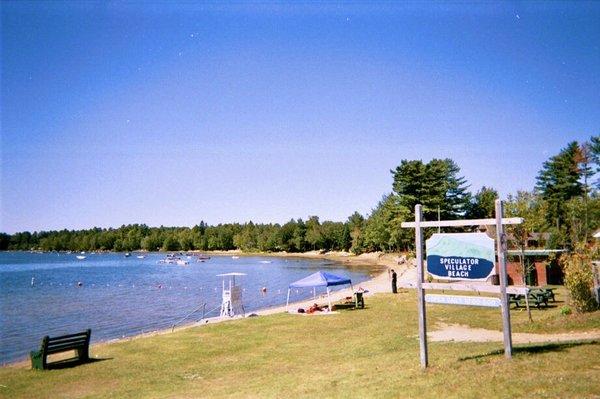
[171, 259]
[80, 257]
[127, 254]
[203, 257]
[141, 256]
[235, 257]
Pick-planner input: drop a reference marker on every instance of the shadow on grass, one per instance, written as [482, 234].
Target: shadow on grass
[551, 305]
[537, 348]
[345, 306]
[70, 363]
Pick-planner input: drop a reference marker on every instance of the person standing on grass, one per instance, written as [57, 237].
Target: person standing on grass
[394, 278]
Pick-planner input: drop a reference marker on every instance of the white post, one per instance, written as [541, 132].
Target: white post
[328, 299]
[501, 249]
[288, 300]
[420, 291]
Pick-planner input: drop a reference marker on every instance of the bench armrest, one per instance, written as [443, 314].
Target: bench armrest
[37, 360]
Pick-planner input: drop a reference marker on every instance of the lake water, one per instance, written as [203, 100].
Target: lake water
[123, 296]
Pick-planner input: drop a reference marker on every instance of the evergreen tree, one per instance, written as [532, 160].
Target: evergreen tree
[435, 185]
[483, 204]
[594, 149]
[346, 238]
[356, 223]
[299, 238]
[314, 237]
[559, 181]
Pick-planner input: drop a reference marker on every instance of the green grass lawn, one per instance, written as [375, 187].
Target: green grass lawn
[369, 353]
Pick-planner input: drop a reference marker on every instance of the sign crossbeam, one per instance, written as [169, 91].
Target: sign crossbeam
[459, 223]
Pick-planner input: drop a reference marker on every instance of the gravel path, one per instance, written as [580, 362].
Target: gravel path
[462, 333]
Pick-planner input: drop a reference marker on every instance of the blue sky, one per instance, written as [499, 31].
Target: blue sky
[172, 113]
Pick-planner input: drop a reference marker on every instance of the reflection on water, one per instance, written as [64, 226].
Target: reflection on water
[118, 296]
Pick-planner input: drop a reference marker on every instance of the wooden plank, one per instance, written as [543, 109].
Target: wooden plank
[420, 292]
[84, 333]
[458, 223]
[57, 346]
[485, 301]
[501, 245]
[495, 289]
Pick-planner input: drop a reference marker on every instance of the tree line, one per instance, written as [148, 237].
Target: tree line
[563, 209]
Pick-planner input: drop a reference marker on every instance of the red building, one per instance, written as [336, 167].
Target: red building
[541, 265]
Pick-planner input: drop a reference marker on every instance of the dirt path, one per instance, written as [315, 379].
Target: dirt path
[462, 333]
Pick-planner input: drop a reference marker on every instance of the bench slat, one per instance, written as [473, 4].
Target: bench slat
[66, 349]
[81, 334]
[66, 341]
[55, 348]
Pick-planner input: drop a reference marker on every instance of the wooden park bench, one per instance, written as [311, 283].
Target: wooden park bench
[79, 342]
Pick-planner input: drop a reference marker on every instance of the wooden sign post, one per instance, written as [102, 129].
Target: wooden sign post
[471, 263]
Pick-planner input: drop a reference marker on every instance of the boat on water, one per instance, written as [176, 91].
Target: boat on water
[127, 254]
[141, 256]
[235, 257]
[80, 257]
[203, 257]
[171, 259]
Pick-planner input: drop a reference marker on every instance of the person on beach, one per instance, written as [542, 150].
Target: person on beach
[394, 279]
[314, 308]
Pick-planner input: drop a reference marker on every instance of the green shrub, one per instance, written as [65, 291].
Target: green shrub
[565, 311]
[577, 268]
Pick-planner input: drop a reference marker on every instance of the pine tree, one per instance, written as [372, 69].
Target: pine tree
[483, 204]
[435, 185]
[559, 181]
[594, 149]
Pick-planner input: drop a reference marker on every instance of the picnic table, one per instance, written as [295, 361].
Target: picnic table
[538, 296]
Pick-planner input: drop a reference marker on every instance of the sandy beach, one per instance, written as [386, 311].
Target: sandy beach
[381, 281]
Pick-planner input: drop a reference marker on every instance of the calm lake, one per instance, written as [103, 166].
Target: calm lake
[117, 296]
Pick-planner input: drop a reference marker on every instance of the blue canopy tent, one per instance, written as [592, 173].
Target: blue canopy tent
[318, 279]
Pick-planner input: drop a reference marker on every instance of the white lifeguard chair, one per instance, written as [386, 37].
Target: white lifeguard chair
[232, 296]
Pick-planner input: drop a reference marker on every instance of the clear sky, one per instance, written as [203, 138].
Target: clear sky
[165, 113]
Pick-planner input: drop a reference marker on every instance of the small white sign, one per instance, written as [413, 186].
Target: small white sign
[485, 301]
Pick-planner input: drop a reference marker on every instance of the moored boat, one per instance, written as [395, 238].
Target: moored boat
[171, 259]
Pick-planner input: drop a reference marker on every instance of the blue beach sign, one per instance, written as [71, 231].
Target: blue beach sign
[460, 256]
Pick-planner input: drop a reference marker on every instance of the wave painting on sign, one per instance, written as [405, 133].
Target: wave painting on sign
[460, 256]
